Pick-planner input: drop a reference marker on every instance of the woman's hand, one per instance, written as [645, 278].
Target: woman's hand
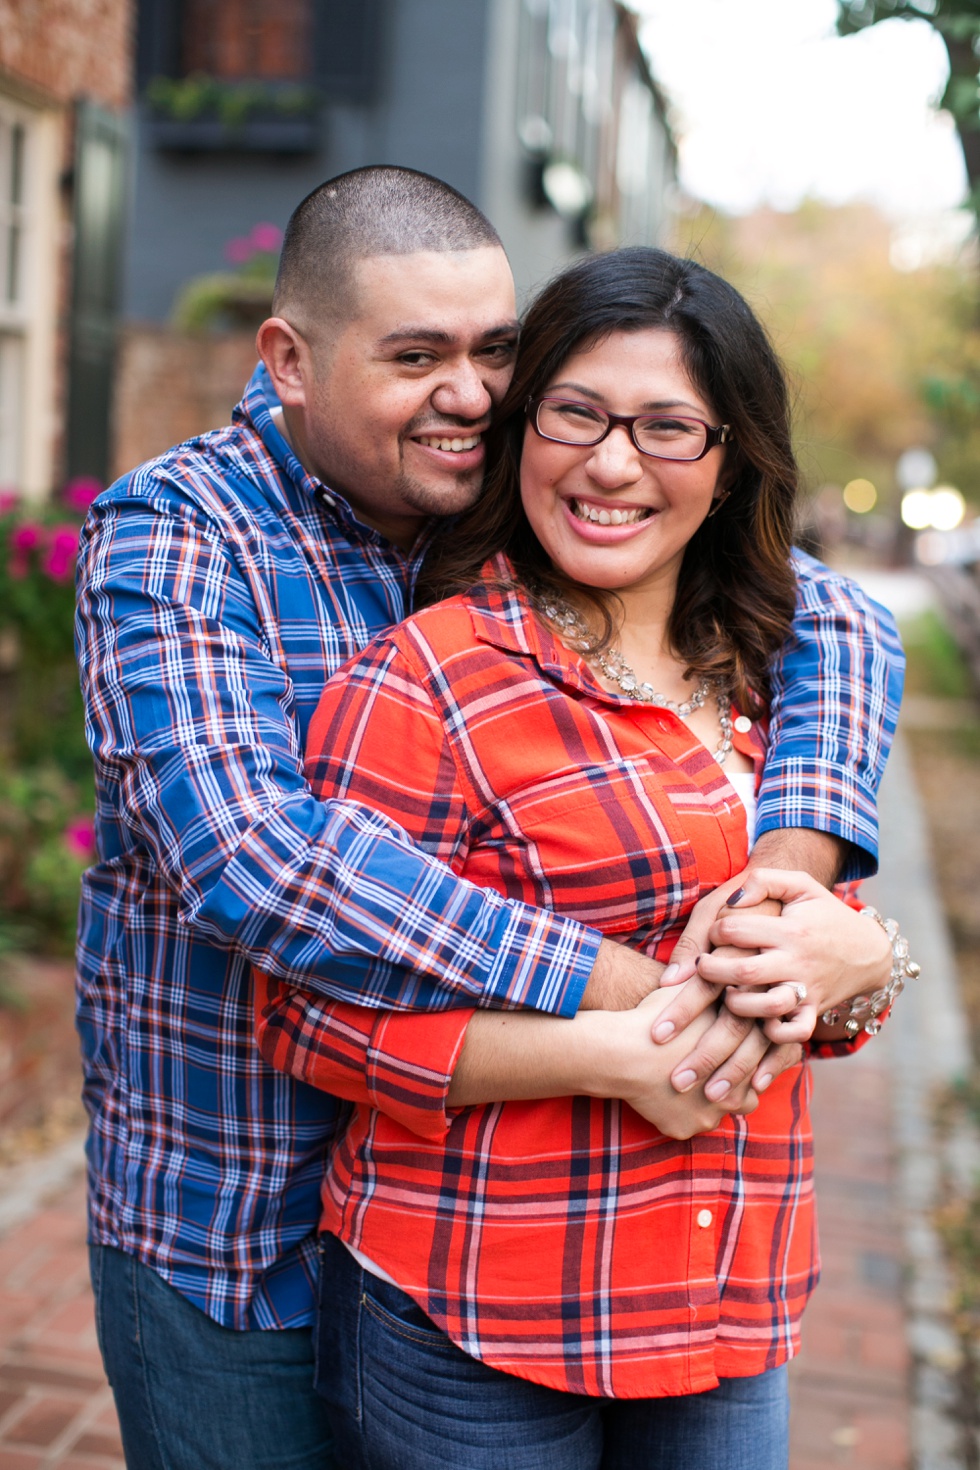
[640, 1070]
[816, 954]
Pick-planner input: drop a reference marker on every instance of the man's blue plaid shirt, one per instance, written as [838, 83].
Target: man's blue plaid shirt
[219, 587]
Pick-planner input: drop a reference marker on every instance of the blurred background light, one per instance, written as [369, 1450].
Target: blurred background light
[941, 509]
[948, 508]
[917, 509]
[860, 496]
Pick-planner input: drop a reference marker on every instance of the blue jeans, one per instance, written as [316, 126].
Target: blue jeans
[193, 1395]
[402, 1396]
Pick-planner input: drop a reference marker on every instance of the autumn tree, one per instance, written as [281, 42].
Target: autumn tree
[881, 358]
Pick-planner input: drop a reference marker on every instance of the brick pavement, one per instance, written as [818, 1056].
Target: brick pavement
[850, 1384]
[55, 1405]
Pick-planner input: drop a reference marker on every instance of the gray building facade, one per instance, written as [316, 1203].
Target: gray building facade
[541, 111]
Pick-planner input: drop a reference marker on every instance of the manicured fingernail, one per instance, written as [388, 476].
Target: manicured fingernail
[684, 1080]
[664, 1031]
[736, 897]
[763, 1082]
[717, 1090]
[670, 974]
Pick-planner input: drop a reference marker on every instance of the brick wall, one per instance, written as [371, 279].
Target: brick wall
[171, 385]
[69, 48]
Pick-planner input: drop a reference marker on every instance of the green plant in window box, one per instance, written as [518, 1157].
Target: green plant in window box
[202, 98]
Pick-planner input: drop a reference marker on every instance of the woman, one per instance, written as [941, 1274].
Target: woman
[575, 1280]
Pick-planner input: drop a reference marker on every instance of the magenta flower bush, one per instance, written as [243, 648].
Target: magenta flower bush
[264, 240]
[46, 798]
[237, 298]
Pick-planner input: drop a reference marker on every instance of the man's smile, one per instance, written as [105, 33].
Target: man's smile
[455, 443]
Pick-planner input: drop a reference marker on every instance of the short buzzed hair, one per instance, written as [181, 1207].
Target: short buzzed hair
[379, 210]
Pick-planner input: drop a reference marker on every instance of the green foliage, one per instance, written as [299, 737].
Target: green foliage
[200, 98]
[46, 795]
[41, 718]
[233, 298]
[223, 300]
[45, 846]
[935, 667]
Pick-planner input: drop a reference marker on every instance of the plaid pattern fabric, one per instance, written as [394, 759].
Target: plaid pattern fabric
[219, 587]
[565, 1241]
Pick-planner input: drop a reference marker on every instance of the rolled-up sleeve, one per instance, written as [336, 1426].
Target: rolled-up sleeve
[394, 1061]
[837, 689]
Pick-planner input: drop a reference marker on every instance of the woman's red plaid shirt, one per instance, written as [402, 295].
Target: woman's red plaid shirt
[566, 1241]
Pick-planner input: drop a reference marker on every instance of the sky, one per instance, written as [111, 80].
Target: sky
[770, 106]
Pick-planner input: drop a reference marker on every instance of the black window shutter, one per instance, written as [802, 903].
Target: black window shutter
[99, 182]
[348, 37]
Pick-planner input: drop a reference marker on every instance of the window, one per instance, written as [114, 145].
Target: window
[588, 119]
[251, 73]
[14, 222]
[29, 141]
[239, 40]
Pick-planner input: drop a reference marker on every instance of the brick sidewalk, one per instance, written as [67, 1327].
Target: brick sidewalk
[55, 1406]
[849, 1385]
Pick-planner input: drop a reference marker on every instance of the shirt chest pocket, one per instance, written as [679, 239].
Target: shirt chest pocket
[601, 845]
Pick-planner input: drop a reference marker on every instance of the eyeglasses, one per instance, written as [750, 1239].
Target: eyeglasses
[662, 436]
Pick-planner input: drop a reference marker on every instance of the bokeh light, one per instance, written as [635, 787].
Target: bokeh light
[948, 508]
[941, 509]
[860, 496]
[917, 509]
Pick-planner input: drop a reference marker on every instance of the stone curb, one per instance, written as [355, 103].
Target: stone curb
[931, 1050]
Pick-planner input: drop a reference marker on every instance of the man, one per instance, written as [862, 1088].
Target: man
[219, 586]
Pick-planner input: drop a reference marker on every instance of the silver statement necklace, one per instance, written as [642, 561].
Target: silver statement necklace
[610, 662]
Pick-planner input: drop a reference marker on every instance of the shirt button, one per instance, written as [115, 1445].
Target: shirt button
[704, 1218]
[743, 724]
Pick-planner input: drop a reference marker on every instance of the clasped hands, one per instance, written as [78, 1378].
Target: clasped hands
[746, 986]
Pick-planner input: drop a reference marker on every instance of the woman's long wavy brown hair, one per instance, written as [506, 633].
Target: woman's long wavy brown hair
[736, 590]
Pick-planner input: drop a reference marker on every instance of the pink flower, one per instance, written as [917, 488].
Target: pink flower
[62, 549]
[25, 538]
[239, 250]
[79, 837]
[9, 500]
[79, 493]
[266, 237]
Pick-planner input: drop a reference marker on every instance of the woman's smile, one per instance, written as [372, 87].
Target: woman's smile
[607, 522]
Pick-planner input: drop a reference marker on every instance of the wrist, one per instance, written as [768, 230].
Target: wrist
[862, 1012]
[801, 849]
[621, 977]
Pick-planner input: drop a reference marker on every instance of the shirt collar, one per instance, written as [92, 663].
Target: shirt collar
[502, 617]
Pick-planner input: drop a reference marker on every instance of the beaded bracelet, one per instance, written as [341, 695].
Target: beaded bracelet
[864, 1010]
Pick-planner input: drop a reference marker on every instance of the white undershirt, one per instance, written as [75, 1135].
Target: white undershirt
[744, 784]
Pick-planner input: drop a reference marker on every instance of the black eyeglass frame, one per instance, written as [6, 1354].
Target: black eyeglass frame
[713, 435]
